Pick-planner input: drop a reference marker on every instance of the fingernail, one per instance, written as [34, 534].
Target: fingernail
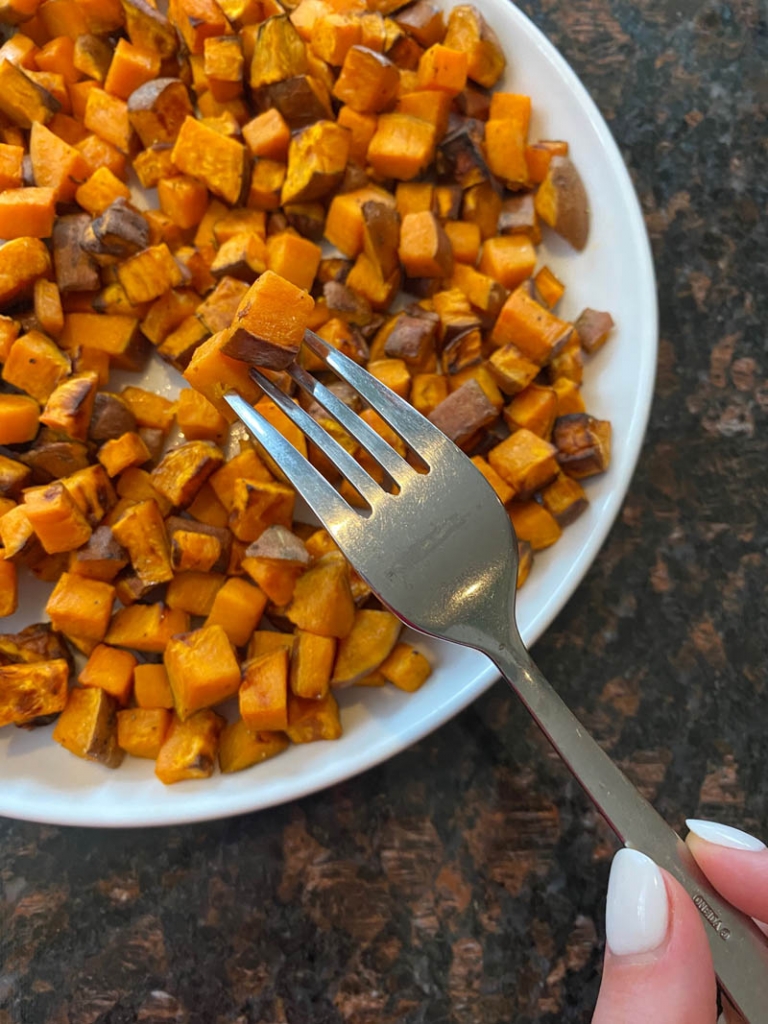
[637, 912]
[724, 835]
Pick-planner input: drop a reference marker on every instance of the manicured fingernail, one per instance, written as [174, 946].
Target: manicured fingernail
[724, 835]
[637, 911]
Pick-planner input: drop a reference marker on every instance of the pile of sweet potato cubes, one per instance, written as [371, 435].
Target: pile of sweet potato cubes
[178, 575]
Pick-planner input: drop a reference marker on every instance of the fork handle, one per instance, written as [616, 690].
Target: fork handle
[739, 949]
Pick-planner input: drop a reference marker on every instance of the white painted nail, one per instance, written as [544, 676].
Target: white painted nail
[724, 835]
[637, 911]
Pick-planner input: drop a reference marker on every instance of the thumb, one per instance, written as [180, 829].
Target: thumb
[657, 962]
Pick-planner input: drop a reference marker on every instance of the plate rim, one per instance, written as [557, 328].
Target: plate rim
[251, 801]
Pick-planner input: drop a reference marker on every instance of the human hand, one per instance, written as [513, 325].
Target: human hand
[657, 961]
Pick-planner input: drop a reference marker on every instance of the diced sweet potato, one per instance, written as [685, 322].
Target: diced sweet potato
[30, 690]
[141, 732]
[402, 146]
[146, 627]
[583, 444]
[264, 692]
[189, 748]
[317, 157]
[370, 641]
[56, 519]
[81, 607]
[565, 499]
[534, 524]
[202, 669]
[406, 668]
[110, 669]
[561, 202]
[368, 81]
[205, 154]
[464, 412]
[237, 608]
[312, 720]
[525, 461]
[240, 748]
[151, 687]
[87, 727]
[184, 470]
[322, 601]
[424, 249]
[311, 665]
[593, 328]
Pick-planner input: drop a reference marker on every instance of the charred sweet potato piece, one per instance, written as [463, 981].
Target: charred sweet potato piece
[468, 31]
[561, 202]
[100, 558]
[279, 53]
[157, 110]
[149, 29]
[583, 445]
[202, 669]
[269, 324]
[56, 519]
[381, 236]
[368, 81]
[240, 748]
[75, 270]
[70, 406]
[344, 225]
[30, 690]
[110, 418]
[87, 727]
[184, 470]
[23, 101]
[549, 288]
[565, 499]
[317, 158]
[593, 329]
[464, 412]
[119, 232]
[141, 532]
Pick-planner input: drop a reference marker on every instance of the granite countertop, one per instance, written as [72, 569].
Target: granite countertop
[464, 881]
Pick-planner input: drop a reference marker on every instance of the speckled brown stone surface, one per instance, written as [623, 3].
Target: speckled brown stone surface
[464, 881]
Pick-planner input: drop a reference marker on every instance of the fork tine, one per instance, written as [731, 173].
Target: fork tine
[397, 468]
[344, 462]
[324, 500]
[418, 433]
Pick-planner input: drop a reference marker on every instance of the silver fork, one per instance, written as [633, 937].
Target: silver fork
[439, 550]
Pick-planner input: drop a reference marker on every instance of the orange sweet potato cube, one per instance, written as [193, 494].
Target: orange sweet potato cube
[264, 692]
[151, 687]
[534, 524]
[213, 373]
[406, 668]
[189, 749]
[237, 608]
[110, 669]
[240, 748]
[311, 720]
[269, 323]
[81, 607]
[202, 669]
[257, 504]
[141, 732]
[56, 518]
[322, 599]
[525, 461]
[311, 665]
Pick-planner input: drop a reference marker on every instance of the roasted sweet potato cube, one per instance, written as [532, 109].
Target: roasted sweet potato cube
[583, 445]
[141, 531]
[100, 558]
[406, 668]
[19, 541]
[81, 607]
[219, 162]
[368, 81]
[535, 408]
[481, 289]
[311, 665]
[568, 395]
[279, 52]
[322, 600]
[202, 669]
[508, 259]
[534, 524]
[344, 225]
[525, 461]
[237, 608]
[464, 412]
[183, 471]
[317, 159]
[424, 249]
[428, 390]
[257, 504]
[30, 690]
[263, 693]
[294, 258]
[365, 647]
[198, 20]
[402, 146]
[107, 117]
[311, 720]
[194, 551]
[130, 68]
[246, 464]
[240, 748]
[518, 217]
[92, 491]
[269, 323]
[141, 732]
[69, 408]
[511, 370]
[19, 419]
[412, 339]
[75, 270]
[48, 311]
[56, 518]
[548, 287]
[561, 202]
[276, 579]
[593, 329]
[468, 31]
[243, 257]
[110, 669]
[55, 164]
[183, 199]
[189, 749]
[565, 499]
[194, 591]
[87, 727]
[213, 374]
[14, 477]
[146, 627]
[22, 100]
[151, 688]
[150, 273]
[36, 365]
[127, 450]
[568, 363]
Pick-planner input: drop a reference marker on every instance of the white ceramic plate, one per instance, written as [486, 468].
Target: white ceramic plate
[41, 781]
